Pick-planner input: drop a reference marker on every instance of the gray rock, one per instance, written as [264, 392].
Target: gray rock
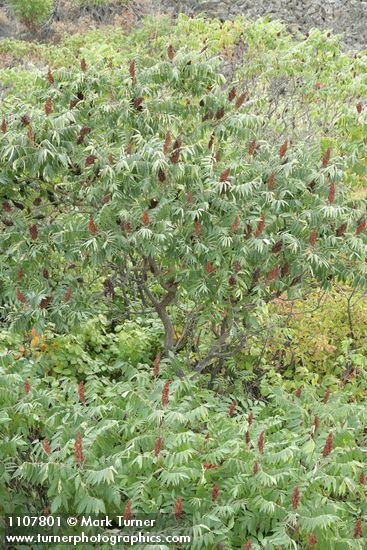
[347, 17]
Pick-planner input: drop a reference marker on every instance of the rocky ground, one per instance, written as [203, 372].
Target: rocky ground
[348, 17]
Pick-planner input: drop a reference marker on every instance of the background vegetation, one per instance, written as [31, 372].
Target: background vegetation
[263, 438]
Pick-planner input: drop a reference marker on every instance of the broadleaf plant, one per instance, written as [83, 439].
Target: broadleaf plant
[90, 183]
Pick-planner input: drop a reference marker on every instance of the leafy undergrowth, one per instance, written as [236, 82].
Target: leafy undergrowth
[295, 80]
[280, 471]
[95, 421]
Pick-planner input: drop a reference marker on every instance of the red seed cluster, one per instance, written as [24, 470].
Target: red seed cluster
[273, 274]
[225, 175]
[92, 226]
[362, 478]
[189, 197]
[170, 52]
[33, 231]
[156, 364]
[248, 438]
[312, 541]
[176, 150]
[232, 407]
[359, 107]
[248, 545]
[361, 226]
[313, 237]
[6, 206]
[45, 302]
[316, 423]
[4, 126]
[261, 442]
[197, 229]
[48, 106]
[295, 498]
[90, 160]
[341, 230]
[328, 445]
[326, 157]
[25, 120]
[165, 393]
[67, 295]
[234, 226]
[283, 149]
[158, 446]
[298, 392]
[252, 147]
[46, 446]
[137, 103]
[84, 131]
[250, 419]
[277, 247]
[326, 396]
[247, 232]
[211, 142]
[240, 100]
[358, 529]
[178, 508]
[260, 226]
[255, 468]
[20, 296]
[237, 266]
[161, 176]
[215, 492]
[27, 387]
[30, 135]
[208, 466]
[232, 94]
[81, 392]
[209, 267]
[127, 512]
[145, 218]
[78, 448]
[50, 76]
[331, 196]
[167, 142]
[132, 70]
[271, 181]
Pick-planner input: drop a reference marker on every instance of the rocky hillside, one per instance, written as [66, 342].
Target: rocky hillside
[348, 17]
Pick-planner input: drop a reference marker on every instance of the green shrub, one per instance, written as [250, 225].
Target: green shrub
[120, 416]
[317, 337]
[31, 13]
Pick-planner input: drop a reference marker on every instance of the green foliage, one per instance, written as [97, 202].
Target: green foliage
[319, 338]
[31, 13]
[195, 247]
[123, 416]
[199, 220]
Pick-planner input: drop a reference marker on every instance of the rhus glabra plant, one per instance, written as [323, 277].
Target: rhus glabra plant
[160, 187]
[227, 469]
